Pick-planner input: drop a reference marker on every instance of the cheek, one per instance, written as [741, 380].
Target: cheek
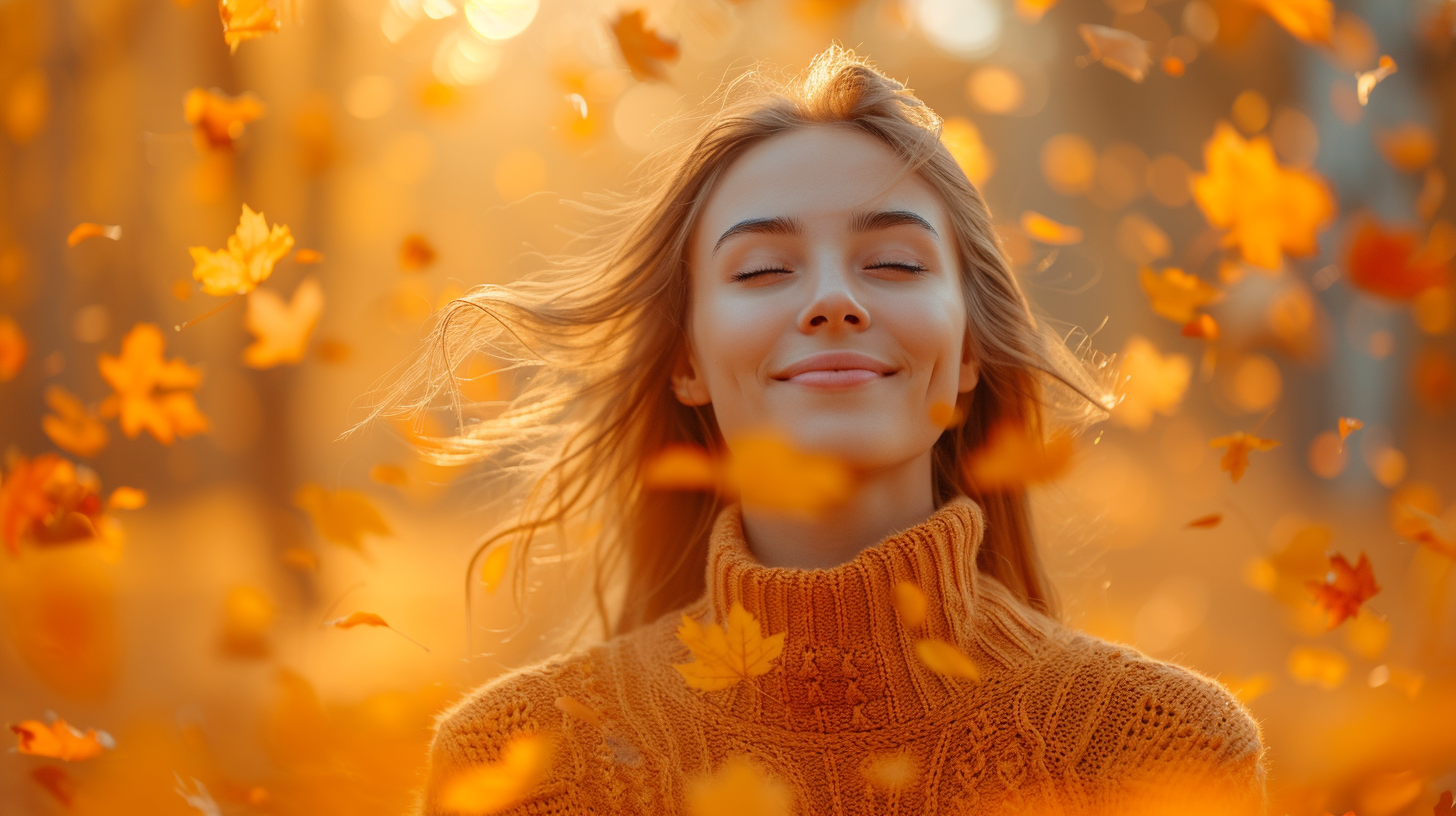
[733, 336]
[931, 330]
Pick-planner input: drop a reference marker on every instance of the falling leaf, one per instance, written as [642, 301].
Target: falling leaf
[579, 710]
[368, 619]
[1366, 81]
[1176, 294]
[645, 51]
[1318, 666]
[89, 230]
[1151, 383]
[282, 329]
[1236, 459]
[1393, 263]
[680, 467]
[910, 602]
[60, 741]
[724, 656]
[493, 568]
[1348, 424]
[1268, 210]
[1345, 588]
[1014, 456]
[765, 471]
[1250, 688]
[1205, 522]
[151, 392]
[1310, 20]
[1409, 147]
[333, 351]
[1202, 327]
[1047, 231]
[247, 260]
[308, 256]
[494, 786]
[1122, 51]
[945, 659]
[415, 253]
[13, 349]
[301, 559]
[891, 772]
[341, 516]
[739, 786]
[389, 475]
[126, 498]
[962, 139]
[1033, 10]
[50, 499]
[946, 415]
[246, 20]
[72, 428]
[248, 614]
[218, 120]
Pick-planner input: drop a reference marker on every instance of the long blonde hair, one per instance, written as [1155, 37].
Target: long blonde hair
[603, 327]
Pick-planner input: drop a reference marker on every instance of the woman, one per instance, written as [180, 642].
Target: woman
[812, 263]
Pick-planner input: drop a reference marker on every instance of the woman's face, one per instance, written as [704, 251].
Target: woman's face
[826, 300]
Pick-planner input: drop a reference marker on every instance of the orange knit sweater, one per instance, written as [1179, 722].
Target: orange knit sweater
[1060, 722]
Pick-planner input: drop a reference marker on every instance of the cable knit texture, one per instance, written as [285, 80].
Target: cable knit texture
[1060, 722]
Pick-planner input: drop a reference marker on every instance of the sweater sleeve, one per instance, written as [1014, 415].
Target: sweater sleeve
[1177, 742]
[475, 731]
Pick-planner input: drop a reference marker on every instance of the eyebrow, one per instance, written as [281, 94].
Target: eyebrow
[859, 222]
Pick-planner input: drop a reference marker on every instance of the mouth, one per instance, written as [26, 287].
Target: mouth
[835, 369]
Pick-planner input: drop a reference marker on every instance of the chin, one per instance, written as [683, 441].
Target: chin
[864, 441]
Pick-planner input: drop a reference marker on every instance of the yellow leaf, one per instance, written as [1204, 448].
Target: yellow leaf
[1177, 295]
[282, 329]
[73, 428]
[1236, 459]
[910, 602]
[494, 567]
[739, 787]
[218, 120]
[770, 473]
[680, 467]
[491, 788]
[1151, 383]
[945, 659]
[369, 619]
[1014, 457]
[1049, 232]
[246, 20]
[723, 656]
[89, 230]
[246, 261]
[341, 516]
[151, 393]
[127, 498]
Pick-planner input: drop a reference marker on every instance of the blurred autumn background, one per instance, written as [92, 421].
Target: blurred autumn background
[1244, 201]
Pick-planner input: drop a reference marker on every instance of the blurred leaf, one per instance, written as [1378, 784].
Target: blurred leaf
[739, 786]
[1177, 295]
[60, 609]
[645, 51]
[1014, 456]
[492, 787]
[1318, 666]
[1150, 383]
[368, 619]
[247, 260]
[415, 253]
[218, 120]
[1393, 263]
[282, 329]
[13, 349]
[946, 659]
[1047, 231]
[89, 230]
[1122, 51]
[342, 516]
[1236, 459]
[1409, 147]
[910, 603]
[248, 614]
[49, 499]
[1366, 81]
[1345, 589]
[151, 392]
[246, 20]
[59, 740]
[1206, 522]
[1309, 20]
[72, 428]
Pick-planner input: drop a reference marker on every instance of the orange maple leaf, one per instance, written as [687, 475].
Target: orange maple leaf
[282, 329]
[60, 741]
[13, 348]
[1236, 459]
[1013, 457]
[724, 655]
[152, 393]
[1176, 294]
[246, 20]
[1267, 209]
[1347, 425]
[74, 429]
[219, 120]
[246, 261]
[1392, 263]
[49, 498]
[1345, 588]
[644, 50]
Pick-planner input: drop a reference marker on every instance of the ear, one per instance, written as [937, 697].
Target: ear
[970, 367]
[687, 381]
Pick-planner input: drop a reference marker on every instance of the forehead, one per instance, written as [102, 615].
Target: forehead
[821, 172]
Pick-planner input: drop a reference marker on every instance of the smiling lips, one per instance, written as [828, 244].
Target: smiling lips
[835, 369]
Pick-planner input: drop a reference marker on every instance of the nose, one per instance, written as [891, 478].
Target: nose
[833, 306]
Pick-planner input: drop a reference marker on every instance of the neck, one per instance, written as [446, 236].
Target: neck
[884, 502]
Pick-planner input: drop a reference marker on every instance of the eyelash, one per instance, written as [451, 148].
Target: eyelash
[753, 273]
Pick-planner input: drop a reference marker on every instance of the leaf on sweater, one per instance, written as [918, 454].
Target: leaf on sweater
[1345, 588]
[945, 659]
[13, 348]
[1122, 51]
[60, 741]
[89, 230]
[646, 52]
[282, 329]
[1318, 666]
[891, 772]
[341, 516]
[1150, 383]
[739, 786]
[1014, 456]
[1049, 232]
[152, 393]
[1236, 459]
[1176, 295]
[218, 120]
[491, 788]
[369, 619]
[246, 261]
[246, 20]
[910, 602]
[1267, 210]
[722, 656]
[1347, 425]
[72, 427]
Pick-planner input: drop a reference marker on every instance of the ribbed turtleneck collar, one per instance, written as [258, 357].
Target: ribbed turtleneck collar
[849, 663]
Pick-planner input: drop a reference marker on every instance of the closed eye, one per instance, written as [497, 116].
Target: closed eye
[754, 273]
[908, 267]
